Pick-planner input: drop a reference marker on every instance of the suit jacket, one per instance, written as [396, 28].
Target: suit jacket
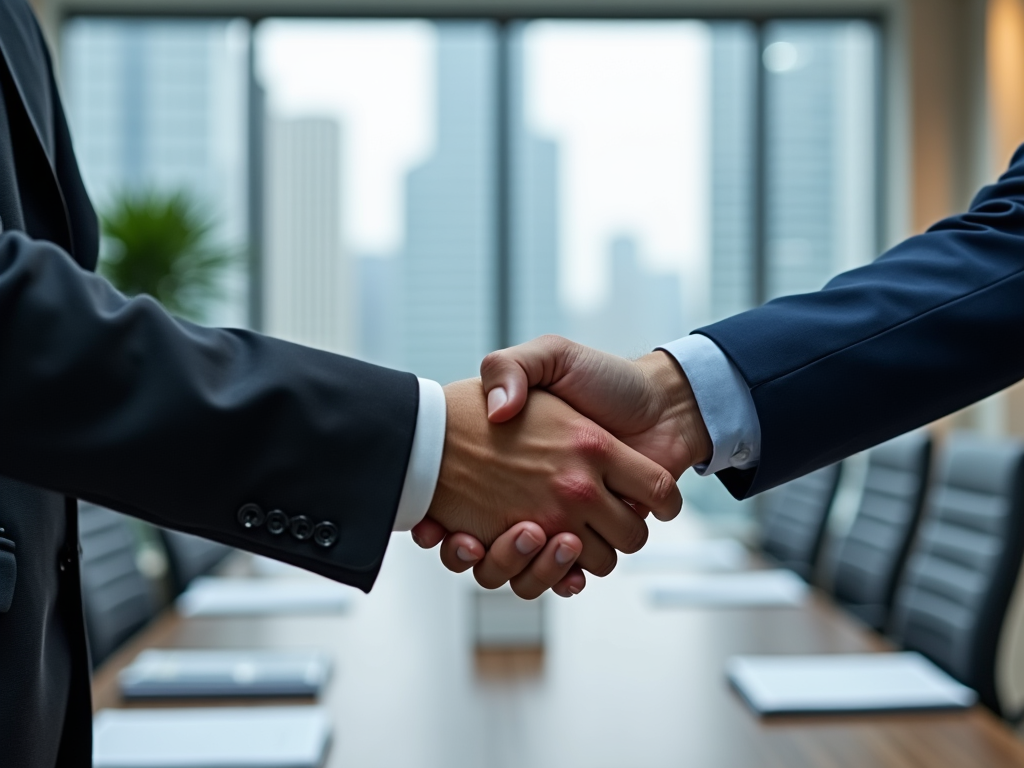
[113, 401]
[931, 326]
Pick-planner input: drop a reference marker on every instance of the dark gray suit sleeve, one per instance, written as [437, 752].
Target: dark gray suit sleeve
[114, 401]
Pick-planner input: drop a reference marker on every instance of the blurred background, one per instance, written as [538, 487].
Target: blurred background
[418, 183]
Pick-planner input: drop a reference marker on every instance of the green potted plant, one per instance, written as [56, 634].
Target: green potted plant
[162, 244]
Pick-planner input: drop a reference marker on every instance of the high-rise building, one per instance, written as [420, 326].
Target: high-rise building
[160, 105]
[732, 103]
[448, 269]
[643, 310]
[309, 289]
[820, 152]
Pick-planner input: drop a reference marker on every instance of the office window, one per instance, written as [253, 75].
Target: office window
[820, 152]
[161, 105]
[433, 190]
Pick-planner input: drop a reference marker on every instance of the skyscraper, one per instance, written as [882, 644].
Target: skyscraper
[448, 267]
[309, 289]
[733, 62]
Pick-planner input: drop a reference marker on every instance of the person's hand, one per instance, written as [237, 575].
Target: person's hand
[647, 404]
[552, 467]
[522, 555]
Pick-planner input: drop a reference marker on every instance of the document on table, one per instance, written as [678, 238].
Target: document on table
[217, 596]
[213, 737]
[223, 673]
[731, 590]
[869, 682]
[703, 555]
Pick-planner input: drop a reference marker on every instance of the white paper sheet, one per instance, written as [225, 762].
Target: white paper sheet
[701, 555]
[215, 596]
[845, 683]
[250, 737]
[218, 673]
[731, 590]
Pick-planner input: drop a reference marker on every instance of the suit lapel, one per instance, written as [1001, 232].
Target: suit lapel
[22, 49]
[28, 64]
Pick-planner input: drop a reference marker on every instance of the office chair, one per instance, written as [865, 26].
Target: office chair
[794, 518]
[117, 599]
[955, 589]
[873, 551]
[190, 556]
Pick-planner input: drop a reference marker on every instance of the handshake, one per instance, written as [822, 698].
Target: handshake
[554, 458]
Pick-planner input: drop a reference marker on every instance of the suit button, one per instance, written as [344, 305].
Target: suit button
[301, 527]
[325, 534]
[251, 516]
[277, 522]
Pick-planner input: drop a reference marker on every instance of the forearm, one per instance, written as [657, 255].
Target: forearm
[114, 401]
[934, 325]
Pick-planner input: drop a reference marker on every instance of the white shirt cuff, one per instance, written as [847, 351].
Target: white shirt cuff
[725, 403]
[425, 458]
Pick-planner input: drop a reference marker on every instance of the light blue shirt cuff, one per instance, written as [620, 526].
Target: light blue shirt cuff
[725, 403]
[425, 457]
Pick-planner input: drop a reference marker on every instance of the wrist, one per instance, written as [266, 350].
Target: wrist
[676, 403]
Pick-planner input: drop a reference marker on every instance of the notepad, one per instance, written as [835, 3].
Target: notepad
[731, 590]
[197, 674]
[252, 737]
[215, 596]
[710, 555]
[845, 683]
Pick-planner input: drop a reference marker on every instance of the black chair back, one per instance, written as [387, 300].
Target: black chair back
[872, 553]
[190, 556]
[117, 599]
[953, 595]
[793, 522]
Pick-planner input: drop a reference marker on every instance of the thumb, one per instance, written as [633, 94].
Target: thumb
[508, 374]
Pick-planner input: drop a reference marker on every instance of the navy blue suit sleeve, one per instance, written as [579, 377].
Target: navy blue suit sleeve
[933, 325]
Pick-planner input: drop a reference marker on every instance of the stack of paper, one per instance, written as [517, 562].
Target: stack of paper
[731, 590]
[215, 596]
[692, 555]
[845, 683]
[191, 674]
[253, 737]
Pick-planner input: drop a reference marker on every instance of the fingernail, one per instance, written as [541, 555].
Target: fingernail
[574, 590]
[465, 555]
[496, 398]
[418, 540]
[565, 554]
[526, 543]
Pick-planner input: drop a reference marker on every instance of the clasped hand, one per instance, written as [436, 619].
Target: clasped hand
[553, 460]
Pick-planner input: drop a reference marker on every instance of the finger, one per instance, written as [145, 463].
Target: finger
[508, 374]
[598, 556]
[574, 582]
[428, 533]
[549, 567]
[460, 552]
[614, 521]
[510, 554]
[647, 485]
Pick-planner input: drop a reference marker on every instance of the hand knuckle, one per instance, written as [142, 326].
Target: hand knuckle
[636, 539]
[576, 488]
[591, 442]
[663, 487]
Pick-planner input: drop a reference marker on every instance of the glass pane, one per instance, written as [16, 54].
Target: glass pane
[611, 178]
[380, 189]
[160, 106]
[820, 123]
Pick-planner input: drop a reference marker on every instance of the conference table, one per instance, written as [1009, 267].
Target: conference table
[619, 683]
